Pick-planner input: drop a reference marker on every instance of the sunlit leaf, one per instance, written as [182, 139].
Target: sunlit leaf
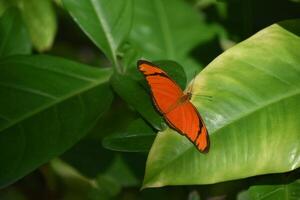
[40, 19]
[252, 118]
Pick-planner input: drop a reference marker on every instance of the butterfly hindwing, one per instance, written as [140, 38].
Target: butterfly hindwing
[187, 121]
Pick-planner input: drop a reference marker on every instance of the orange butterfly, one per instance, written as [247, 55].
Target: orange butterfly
[175, 105]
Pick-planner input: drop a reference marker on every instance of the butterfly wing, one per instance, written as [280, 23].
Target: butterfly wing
[187, 121]
[165, 92]
[181, 116]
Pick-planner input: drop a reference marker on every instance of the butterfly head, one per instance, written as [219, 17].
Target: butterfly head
[189, 95]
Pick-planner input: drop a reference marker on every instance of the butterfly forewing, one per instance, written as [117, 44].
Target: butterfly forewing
[165, 93]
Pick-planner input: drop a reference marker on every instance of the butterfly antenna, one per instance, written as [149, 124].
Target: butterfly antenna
[191, 85]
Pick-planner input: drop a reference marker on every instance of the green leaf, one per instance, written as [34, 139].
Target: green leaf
[75, 185]
[137, 138]
[14, 38]
[253, 118]
[120, 172]
[289, 191]
[47, 104]
[88, 157]
[136, 96]
[174, 70]
[39, 17]
[4, 5]
[168, 29]
[105, 22]
[243, 195]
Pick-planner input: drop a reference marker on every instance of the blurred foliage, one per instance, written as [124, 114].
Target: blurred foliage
[39, 17]
[83, 131]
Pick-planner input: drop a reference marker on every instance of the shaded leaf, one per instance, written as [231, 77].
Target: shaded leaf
[76, 186]
[137, 138]
[158, 33]
[41, 117]
[121, 173]
[88, 157]
[252, 118]
[289, 191]
[14, 38]
[104, 186]
[174, 70]
[136, 96]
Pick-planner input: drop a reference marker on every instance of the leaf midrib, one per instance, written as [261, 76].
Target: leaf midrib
[106, 29]
[55, 102]
[268, 103]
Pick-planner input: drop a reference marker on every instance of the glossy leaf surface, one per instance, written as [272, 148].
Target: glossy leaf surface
[252, 118]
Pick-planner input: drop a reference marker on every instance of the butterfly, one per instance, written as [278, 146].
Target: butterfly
[174, 105]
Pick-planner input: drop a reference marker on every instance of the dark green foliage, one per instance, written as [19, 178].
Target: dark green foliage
[70, 130]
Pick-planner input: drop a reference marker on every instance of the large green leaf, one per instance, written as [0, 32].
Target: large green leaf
[14, 38]
[289, 191]
[47, 104]
[107, 23]
[253, 118]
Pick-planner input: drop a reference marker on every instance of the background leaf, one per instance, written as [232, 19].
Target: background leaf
[88, 157]
[40, 19]
[159, 34]
[174, 70]
[137, 138]
[14, 38]
[252, 118]
[136, 96]
[271, 192]
[43, 116]
[105, 22]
